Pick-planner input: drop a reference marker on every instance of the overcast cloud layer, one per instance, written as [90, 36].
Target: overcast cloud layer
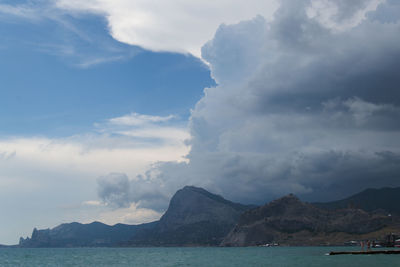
[301, 107]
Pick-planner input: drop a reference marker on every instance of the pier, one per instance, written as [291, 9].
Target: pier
[364, 252]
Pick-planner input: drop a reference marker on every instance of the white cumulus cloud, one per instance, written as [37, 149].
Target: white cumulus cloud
[57, 176]
[175, 25]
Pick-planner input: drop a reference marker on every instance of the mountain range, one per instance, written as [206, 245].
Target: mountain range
[371, 199]
[196, 217]
[290, 221]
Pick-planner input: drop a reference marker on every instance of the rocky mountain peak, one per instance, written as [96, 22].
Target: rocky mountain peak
[193, 205]
[290, 199]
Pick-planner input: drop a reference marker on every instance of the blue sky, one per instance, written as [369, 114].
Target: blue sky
[107, 108]
[63, 77]
[59, 81]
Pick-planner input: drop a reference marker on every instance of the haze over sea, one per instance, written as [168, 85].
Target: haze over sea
[198, 256]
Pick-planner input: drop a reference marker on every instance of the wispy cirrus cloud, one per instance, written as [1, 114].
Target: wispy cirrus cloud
[29, 10]
[149, 129]
[73, 40]
[158, 25]
[135, 119]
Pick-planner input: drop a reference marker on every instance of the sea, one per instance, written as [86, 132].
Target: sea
[191, 256]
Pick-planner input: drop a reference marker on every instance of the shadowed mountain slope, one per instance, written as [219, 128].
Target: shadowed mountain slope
[75, 234]
[289, 221]
[386, 199]
[194, 217]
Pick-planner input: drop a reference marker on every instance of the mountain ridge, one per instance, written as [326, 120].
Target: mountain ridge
[95, 234]
[196, 217]
[371, 199]
[282, 219]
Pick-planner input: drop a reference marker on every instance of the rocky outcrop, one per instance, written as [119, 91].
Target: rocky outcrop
[292, 222]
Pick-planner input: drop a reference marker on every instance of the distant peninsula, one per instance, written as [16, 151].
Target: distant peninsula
[196, 217]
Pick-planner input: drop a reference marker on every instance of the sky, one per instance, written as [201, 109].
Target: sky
[109, 107]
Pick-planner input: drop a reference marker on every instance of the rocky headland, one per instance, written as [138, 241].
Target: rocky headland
[196, 217]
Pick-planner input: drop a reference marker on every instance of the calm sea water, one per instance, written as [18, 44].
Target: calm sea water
[255, 256]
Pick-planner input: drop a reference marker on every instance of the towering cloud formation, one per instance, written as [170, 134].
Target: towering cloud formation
[303, 104]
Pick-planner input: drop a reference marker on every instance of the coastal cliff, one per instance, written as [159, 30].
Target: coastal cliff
[75, 234]
[196, 217]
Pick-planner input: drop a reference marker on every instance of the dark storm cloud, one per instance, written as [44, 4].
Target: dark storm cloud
[316, 115]
[116, 190]
[301, 107]
[388, 13]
